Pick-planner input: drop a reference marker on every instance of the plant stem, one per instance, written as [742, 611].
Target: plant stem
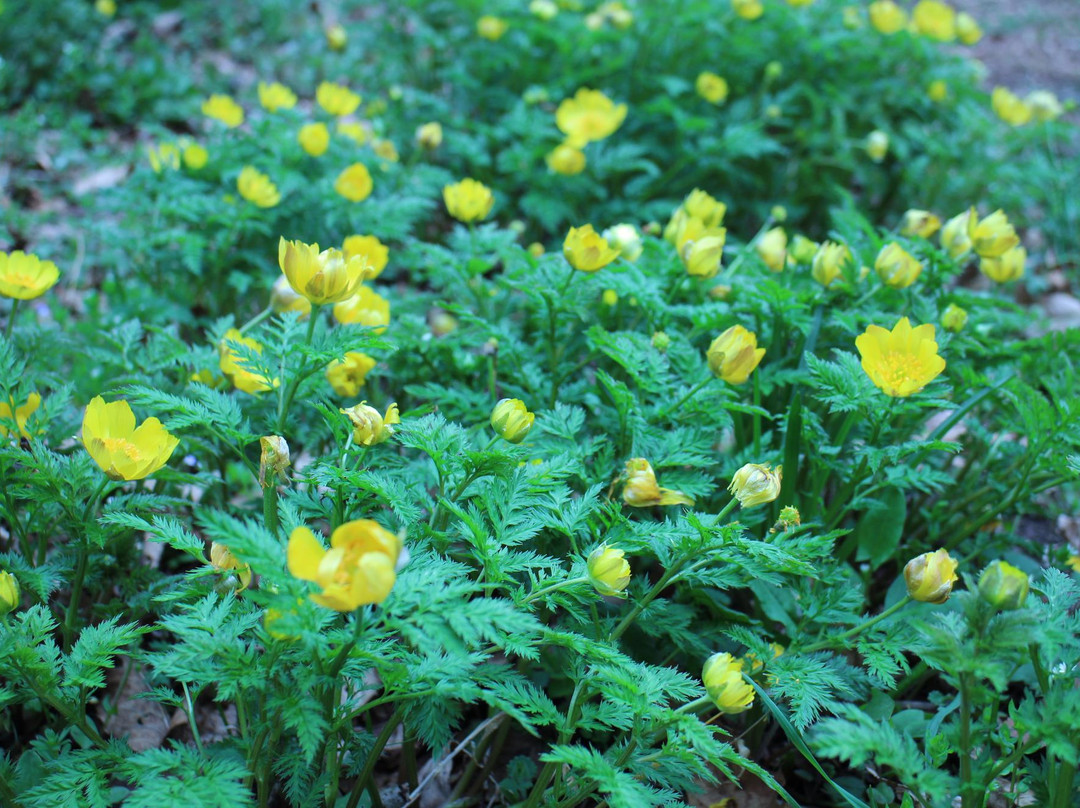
[294, 384]
[966, 797]
[270, 509]
[258, 318]
[859, 629]
[555, 587]
[365, 780]
[694, 391]
[9, 329]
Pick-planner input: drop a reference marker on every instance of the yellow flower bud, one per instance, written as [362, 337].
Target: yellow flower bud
[642, 491]
[720, 292]
[930, 576]
[195, 156]
[661, 341]
[734, 354]
[877, 145]
[336, 37]
[703, 206]
[224, 561]
[887, 17]
[536, 249]
[354, 183]
[1003, 586]
[1009, 267]
[543, 9]
[937, 90]
[385, 149]
[829, 262]
[954, 235]
[1044, 105]
[566, 159]
[954, 318]
[9, 593]
[610, 297]
[724, 682]
[702, 257]
[751, 660]
[778, 213]
[491, 28]
[273, 459]
[429, 135]
[773, 71]
[284, 298]
[789, 518]
[967, 29]
[921, 223]
[992, 236]
[935, 20]
[511, 420]
[609, 570]
[1009, 107]
[314, 138]
[772, 248]
[896, 267]
[106, 8]
[802, 249]
[755, 484]
[626, 239]
[711, 87]
[370, 428]
[748, 9]
[468, 200]
[586, 250]
[441, 322]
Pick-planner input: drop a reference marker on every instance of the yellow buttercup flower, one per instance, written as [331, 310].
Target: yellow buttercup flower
[724, 682]
[902, 361]
[755, 484]
[750, 658]
[374, 252]
[223, 108]
[1003, 586]
[511, 420]
[802, 249]
[937, 90]
[348, 375]
[1009, 266]
[897, 267]
[586, 250]
[337, 99]
[195, 156]
[711, 87]
[954, 235]
[284, 298]
[336, 37]
[9, 593]
[642, 491]
[626, 239]
[314, 138]
[935, 20]
[772, 248]
[24, 276]
[609, 571]
[1009, 107]
[954, 318]
[829, 262]
[321, 277]
[354, 183]
[366, 307]
[357, 570]
[224, 561]
[385, 149]
[163, 156]
[122, 450]
[236, 368]
[276, 96]
[930, 576]
[967, 29]
[992, 236]
[566, 159]
[702, 256]
[703, 206]
[429, 135]
[920, 223]
[468, 200]
[1044, 105]
[887, 17]
[748, 9]
[491, 27]
[370, 428]
[19, 414]
[733, 355]
[877, 145]
[589, 115]
[257, 188]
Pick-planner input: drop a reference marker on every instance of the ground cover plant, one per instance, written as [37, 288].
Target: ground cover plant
[539, 404]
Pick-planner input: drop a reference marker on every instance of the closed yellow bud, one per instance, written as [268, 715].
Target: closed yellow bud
[1008, 267]
[106, 8]
[724, 682]
[354, 183]
[273, 459]
[610, 297]
[772, 248]
[921, 223]
[284, 298]
[829, 262]
[370, 428]
[887, 17]
[24, 276]
[802, 249]
[642, 490]
[566, 159]
[441, 322]
[661, 341]
[511, 420]
[755, 484]
[429, 135]
[586, 250]
[930, 576]
[702, 257]
[224, 561]
[385, 149]
[954, 318]
[937, 90]
[1003, 586]
[9, 593]
[336, 37]
[751, 660]
[702, 205]
[468, 200]
[626, 239]
[536, 249]
[491, 28]
[609, 570]
[954, 235]
[967, 29]
[163, 156]
[748, 9]
[733, 355]
[314, 138]
[877, 145]
[896, 267]
[711, 87]
[543, 9]
[348, 375]
[992, 236]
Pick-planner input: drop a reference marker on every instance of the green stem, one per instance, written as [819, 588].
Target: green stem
[364, 779]
[9, 329]
[286, 399]
[694, 391]
[555, 587]
[189, 709]
[270, 509]
[967, 799]
[258, 318]
[859, 629]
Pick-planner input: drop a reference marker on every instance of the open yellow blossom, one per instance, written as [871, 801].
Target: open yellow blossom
[354, 183]
[897, 267]
[566, 159]
[257, 188]
[321, 277]
[733, 355]
[223, 108]
[711, 87]
[367, 307]
[756, 484]
[609, 571]
[589, 115]
[829, 262]
[236, 368]
[337, 99]
[24, 276]
[967, 29]
[684, 228]
[702, 256]
[468, 200]
[642, 491]
[224, 561]
[935, 20]
[491, 27]
[194, 155]
[724, 682]
[348, 375]
[19, 414]
[511, 420]
[1009, 266]
[276, 96]
[993, 235]
[314, 138]
[626, 239]
[357, 570]
[772, 248]
[163, 157]
[122, 450]
[930, 576]
[954, 235]
[748, 9]
[920, 223]
[902, 361]
[1010, 107]
[370, 428]
[374, 252]
[702, 205]
[586, 250]
[1044, 105]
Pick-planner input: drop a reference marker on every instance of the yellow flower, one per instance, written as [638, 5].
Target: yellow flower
[703, 206]
[314, 138]
[276, 96]
[224, 561]
[887, 17]
[1003, 586]
[19, 414]
[992, 236]
[24, 276]
[354, 183]
[702, 256]
[802, 250]
[163, 156]
[223, 108]
[566, 159]
[610, 297]
[930, 576]
[772, 248]
[586, 250]
[877, 145]
[337, 99]
[954, 235]
[385, 150]
[284, 298]
[1008, 267]
[374, 253]
[468, 200]
[902, 361]
[347, 376]
[937, 90]
[619, 15]
[954, 318]
[589, 115]
[274, 458]
[236, 368]
[441, 322]
[9, 593]
[1044, 105]
[734, 354]
[897, 267]
[751, 659]
[934, 19]
[967, 29]
[748, 9]
[626, 239]
[257, 188]
[122, 450]
[536, 249]
[711, 87]
[544, 9]
[609, 571]
[195, 156]
[106, 8]
[336, 37]
[1074, 562]
[511, 420]
[354, 131]
[1009, 107]
[370, 428]
[755, 484]
[357, 570]
[829, 262]
[429, 135]
[683, 228]
[642, 491]
[321, 277]
[921, 223]
[366, 307]
[724, 682]
[491, 27]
